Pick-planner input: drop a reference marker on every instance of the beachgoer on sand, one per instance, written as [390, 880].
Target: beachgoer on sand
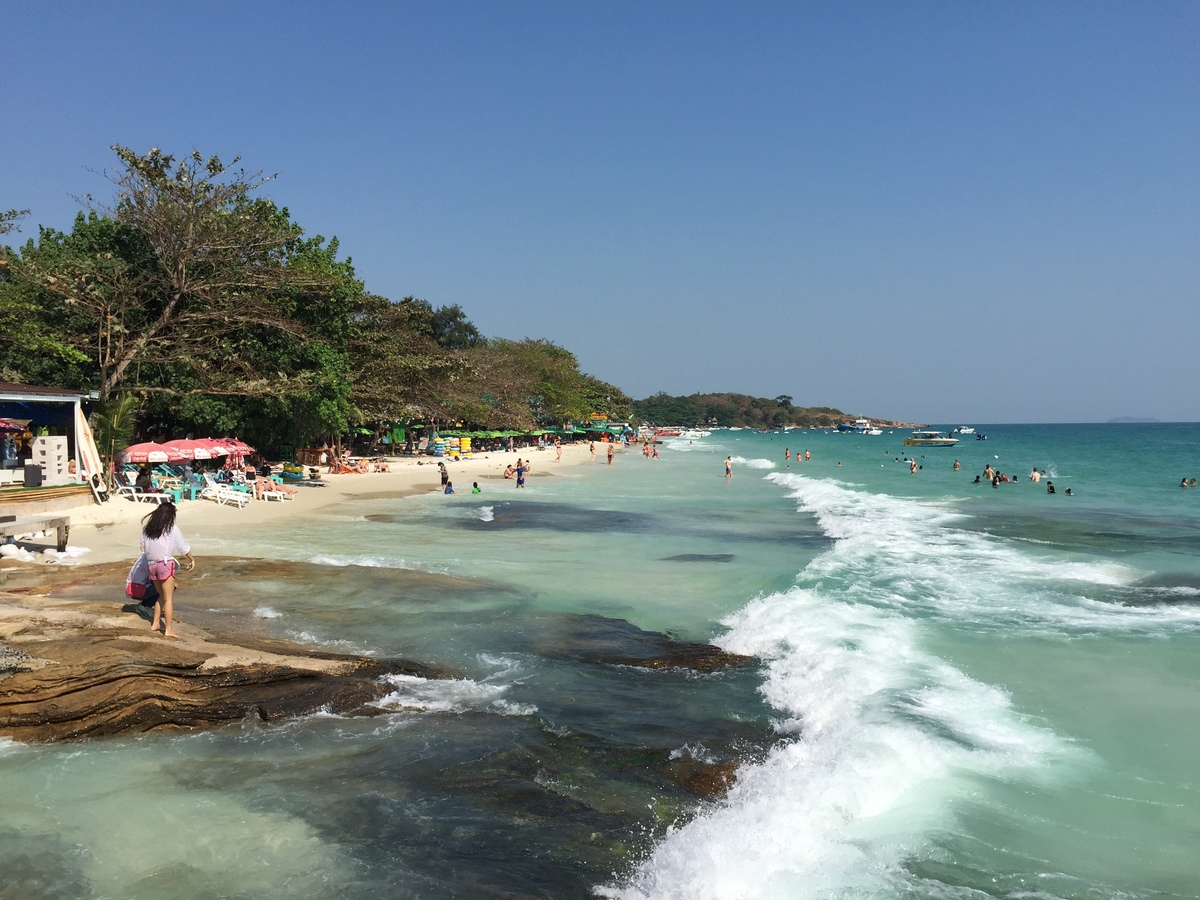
[160, 539]
[612, 451]
[522, 468]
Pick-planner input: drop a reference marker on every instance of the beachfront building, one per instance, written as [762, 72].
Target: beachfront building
[47, 452]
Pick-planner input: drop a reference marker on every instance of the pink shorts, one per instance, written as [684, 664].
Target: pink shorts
[161, 570]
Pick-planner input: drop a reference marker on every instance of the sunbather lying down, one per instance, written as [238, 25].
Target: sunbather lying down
[263, 485]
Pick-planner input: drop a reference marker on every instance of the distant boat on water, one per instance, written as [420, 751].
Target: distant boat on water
[963, 429]
[923, 438]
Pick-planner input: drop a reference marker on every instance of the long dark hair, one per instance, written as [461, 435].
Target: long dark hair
[160, 521]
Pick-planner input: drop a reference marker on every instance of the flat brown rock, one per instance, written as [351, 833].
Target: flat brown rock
[79, 669]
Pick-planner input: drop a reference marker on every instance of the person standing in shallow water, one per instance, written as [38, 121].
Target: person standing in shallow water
[612, 451]
[160, 539]
[729, 467]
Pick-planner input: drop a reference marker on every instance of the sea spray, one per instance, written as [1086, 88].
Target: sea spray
[883, 737]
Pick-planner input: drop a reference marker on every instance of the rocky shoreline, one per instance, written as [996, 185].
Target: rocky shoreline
[76, 664]
[75, 667]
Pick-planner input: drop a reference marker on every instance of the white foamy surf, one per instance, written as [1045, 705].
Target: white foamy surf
[753, 463]
[449, 695]
[882, 739]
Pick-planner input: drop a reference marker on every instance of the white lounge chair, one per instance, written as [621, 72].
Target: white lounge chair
[223, 494]
[135, 493]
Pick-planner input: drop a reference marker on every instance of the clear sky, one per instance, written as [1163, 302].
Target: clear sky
[938, 211]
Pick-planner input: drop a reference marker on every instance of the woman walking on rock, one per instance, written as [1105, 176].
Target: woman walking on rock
[160, 539]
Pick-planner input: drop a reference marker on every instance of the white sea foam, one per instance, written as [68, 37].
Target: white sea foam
[897, 553]
[449, 695]
[265, 612]
[486, 513]
[369, 562]
[753, 463]
[882, 738]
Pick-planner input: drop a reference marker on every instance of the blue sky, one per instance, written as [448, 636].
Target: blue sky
[945, 212]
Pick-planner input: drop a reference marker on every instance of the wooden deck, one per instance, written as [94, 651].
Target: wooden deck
[38, 501]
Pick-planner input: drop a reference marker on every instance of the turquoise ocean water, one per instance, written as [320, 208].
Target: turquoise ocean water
[958, 691]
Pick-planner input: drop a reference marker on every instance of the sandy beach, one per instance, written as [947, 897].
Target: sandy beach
[109, 532]
[78, 661]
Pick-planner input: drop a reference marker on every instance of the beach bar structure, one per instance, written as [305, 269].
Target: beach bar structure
[35, 476]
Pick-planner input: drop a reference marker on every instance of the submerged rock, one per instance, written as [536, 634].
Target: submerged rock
[592, 638]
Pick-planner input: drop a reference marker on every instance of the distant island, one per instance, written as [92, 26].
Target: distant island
[740, 410]
[1131, 420]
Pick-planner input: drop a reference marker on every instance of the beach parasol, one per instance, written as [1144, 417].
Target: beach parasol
[184, 449]
[9, 425]
[148, 452]
[234, 449]
[213, 448]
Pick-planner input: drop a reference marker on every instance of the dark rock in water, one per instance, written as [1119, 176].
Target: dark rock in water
[597, 639]
[700, 557]
[708, 780]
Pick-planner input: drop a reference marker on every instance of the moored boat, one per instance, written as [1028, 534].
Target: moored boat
[924, 438]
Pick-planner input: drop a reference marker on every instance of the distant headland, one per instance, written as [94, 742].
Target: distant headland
[743, 411]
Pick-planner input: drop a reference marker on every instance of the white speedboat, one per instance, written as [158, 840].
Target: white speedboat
[922, 438]
[963, 429]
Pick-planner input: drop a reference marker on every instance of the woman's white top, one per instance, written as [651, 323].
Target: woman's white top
[163, 548]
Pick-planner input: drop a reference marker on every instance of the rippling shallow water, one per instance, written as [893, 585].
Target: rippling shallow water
[958, 691]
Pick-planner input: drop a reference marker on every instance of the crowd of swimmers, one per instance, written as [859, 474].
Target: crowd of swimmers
[997, 478]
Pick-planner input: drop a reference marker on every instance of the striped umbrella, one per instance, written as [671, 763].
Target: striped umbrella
[149, 452]
[185, 449]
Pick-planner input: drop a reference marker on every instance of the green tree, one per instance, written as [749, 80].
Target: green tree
[205, 261]
[113, 425]
[9, 219]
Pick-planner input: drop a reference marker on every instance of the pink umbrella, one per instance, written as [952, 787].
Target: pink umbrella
[237, 449]
[214, 448]
[149, 452]
[183, 448]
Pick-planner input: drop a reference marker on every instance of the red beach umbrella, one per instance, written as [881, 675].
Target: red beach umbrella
[149, 452]
[184, 449]
[214, 448]
[9, 425]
